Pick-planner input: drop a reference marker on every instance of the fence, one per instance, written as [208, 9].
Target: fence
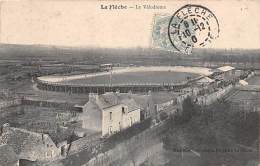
[62, 84]
[102, 88]
[46, 103]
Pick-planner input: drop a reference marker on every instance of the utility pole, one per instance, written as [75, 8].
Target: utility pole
[110, 80]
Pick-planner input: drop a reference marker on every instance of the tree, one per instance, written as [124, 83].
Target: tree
[189, 109]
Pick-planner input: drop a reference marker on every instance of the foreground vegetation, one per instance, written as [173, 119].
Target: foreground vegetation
[218, 135]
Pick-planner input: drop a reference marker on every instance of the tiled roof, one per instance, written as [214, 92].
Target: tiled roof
[23, 141]
[112, 99]
[107, 100]
[7, 155]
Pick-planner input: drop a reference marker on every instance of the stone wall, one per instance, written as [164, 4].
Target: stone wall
[211, 98]
[128, 150]
[84, 143]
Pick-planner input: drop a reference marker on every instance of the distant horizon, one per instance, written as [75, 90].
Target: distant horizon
[115, 48]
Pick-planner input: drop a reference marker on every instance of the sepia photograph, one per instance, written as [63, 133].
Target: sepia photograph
[129, 83]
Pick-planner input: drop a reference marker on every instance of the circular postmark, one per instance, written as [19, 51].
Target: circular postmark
[192, 26]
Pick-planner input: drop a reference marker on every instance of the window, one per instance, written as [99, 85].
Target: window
[123, 110]
[110, 115]
[110, 131]
[63, 150]
[147, 113]
[73, 114]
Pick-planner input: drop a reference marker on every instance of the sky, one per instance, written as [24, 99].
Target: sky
[84, 23]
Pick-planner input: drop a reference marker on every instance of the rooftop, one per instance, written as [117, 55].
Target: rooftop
[131, 104]
[23, 141]
[243, 82]
[7, 155]
[225, 68]
[205, 80]
[112, 99]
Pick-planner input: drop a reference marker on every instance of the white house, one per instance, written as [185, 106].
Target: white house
[108, 113]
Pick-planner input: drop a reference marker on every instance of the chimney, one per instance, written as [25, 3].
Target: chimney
[43, 139]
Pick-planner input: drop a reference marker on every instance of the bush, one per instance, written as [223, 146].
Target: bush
[216, 127]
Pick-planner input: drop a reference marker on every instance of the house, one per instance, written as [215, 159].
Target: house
[146, 104]
[226, 69]
[7, 156]
[185, 93]
[29, 145]
[143, 101]
[224, 72]
[152, 103]
[243, 83]
[109, 113]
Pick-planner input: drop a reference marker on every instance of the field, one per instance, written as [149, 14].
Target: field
[152, 77]
[149, 75]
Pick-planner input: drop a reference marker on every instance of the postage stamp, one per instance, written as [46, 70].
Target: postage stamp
[160, 39]
[192, 26]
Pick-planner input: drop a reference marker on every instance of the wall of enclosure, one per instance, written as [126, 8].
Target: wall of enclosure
[62, 84]
[100, 89]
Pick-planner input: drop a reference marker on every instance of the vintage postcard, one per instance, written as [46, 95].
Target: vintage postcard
[129, 83]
